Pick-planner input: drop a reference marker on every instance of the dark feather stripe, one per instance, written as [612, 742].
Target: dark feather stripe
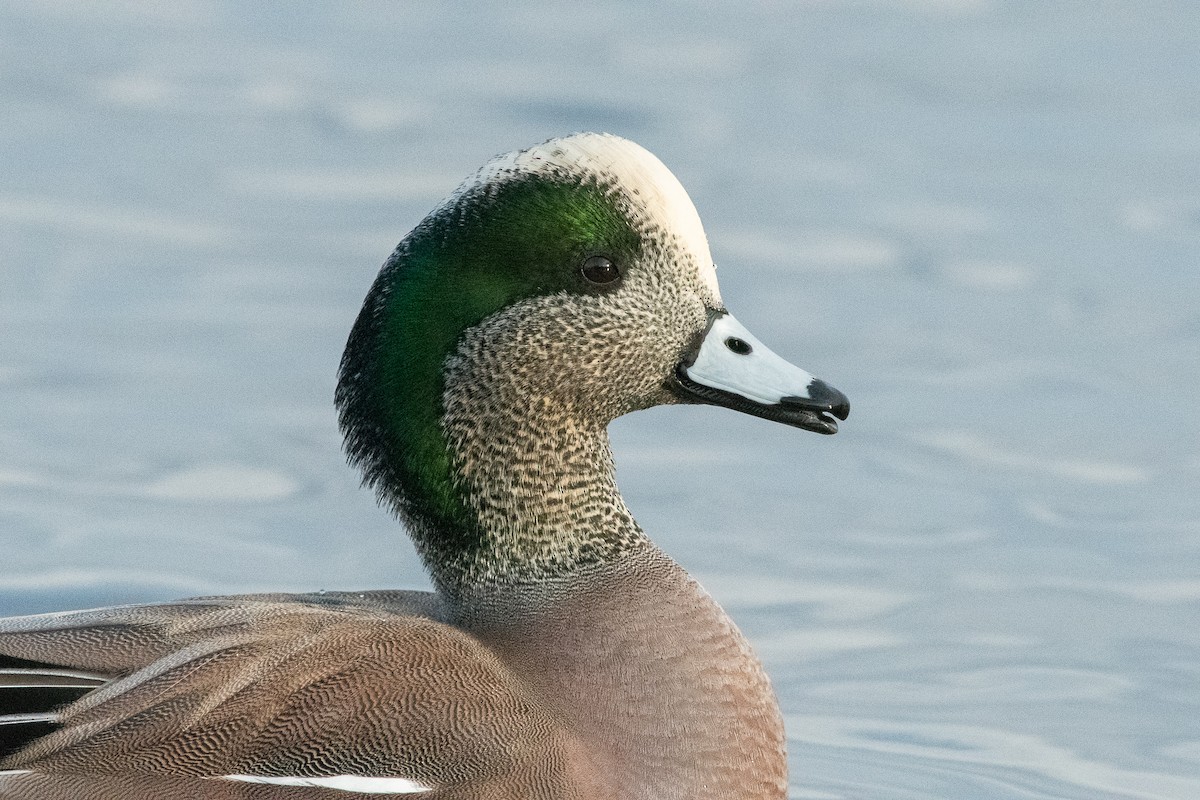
[30, 695]
[12, 662]
[16, 732]
[37, 699]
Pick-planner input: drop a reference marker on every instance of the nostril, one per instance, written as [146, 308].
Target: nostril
[739, 346]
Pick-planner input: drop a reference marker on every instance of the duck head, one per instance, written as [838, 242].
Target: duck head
[556, 289]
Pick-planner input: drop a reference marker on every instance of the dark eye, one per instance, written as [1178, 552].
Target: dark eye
[599, 270]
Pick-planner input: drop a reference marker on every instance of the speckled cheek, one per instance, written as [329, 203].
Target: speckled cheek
[661, 312]
[710, 292]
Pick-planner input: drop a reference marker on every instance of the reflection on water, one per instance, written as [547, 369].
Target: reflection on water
[979, 219]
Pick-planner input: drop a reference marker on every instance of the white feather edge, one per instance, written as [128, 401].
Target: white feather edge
[362, 784]
[25, 719]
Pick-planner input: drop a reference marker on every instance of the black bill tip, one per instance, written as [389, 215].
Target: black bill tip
[815, 412]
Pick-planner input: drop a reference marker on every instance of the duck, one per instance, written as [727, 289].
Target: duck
[560, 653]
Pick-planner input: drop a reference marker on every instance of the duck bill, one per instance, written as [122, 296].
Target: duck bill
[728, 366]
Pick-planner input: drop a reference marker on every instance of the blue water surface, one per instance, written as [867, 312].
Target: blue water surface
[978, 218]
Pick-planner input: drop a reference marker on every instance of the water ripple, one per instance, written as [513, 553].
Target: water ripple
[989, 747]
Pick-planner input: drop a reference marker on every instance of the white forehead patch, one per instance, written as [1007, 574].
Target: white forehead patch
[639, 173]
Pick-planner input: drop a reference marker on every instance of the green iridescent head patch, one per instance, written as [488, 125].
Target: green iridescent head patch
[487, 248]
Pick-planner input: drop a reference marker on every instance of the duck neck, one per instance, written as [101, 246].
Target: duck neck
[538, 486]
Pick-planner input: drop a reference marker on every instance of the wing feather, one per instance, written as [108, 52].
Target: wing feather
[319, 686]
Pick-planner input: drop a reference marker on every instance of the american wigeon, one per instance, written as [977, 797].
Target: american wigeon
[562, 654]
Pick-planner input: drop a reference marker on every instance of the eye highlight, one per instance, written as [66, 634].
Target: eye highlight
[600, 271]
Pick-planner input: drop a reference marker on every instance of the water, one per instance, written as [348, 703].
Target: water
[978, 219]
